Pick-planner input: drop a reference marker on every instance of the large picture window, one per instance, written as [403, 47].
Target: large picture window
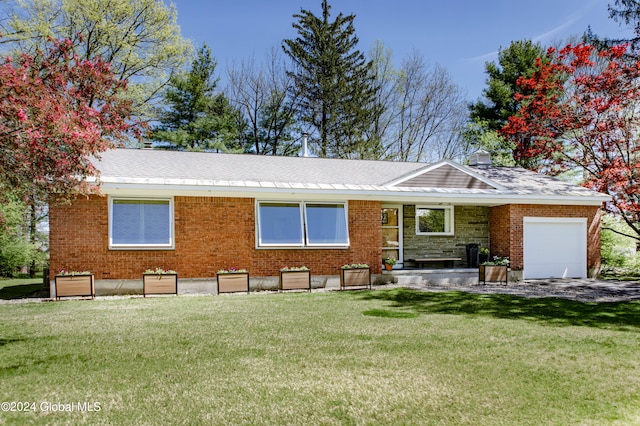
[302, 224]
[280, 224]
[434, 220]
[141, 223]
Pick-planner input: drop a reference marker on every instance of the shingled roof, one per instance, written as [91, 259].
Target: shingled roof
[148, 170]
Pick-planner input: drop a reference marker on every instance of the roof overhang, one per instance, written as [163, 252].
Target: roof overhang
[338, 192]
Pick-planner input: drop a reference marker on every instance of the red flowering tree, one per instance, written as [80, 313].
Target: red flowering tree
[583, 113]
[56, 111]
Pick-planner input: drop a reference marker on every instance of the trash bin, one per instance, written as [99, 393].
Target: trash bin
[472, 255]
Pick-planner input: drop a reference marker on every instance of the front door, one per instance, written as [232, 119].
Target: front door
[392, 233]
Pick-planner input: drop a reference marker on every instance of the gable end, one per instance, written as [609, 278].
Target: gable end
[445, 176]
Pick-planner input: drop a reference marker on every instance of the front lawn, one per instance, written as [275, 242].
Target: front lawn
[382, 357]
[15, 288]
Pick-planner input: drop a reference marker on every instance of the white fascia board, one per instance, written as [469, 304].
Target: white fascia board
[384, 194]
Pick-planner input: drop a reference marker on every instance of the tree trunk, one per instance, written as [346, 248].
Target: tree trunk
[33, 222]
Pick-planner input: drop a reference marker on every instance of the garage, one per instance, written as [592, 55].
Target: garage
[555, 248]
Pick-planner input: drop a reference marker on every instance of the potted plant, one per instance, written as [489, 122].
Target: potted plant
[389, 262]
[295, 278]
[496, 269]
[233, 280]
[483, 255]
[159, 281]
[355, 274]
[74, 283]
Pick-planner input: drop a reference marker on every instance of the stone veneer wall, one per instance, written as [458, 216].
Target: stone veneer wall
[471, 225]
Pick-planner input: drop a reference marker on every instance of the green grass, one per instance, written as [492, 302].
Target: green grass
[382, 357]
[15, 288]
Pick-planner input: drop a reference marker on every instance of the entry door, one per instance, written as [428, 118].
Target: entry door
[392, 233]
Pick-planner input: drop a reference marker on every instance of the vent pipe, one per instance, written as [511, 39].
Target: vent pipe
[305, 148]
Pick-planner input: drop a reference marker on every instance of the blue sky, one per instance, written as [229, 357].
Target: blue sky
[460, 35]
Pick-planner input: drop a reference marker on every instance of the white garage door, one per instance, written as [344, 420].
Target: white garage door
[555, 248]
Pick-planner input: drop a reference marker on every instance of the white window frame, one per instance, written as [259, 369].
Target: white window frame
[449, 219]
[306, 228]
[303, 221]
[169, 246]
[259, 221]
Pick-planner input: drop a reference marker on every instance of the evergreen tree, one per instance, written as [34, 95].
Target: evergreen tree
[197, 118]
[518, 60]
[627, 14]
[334, 82]
[491, 113]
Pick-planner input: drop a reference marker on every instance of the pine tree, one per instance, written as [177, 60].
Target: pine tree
[518, 60]
[627, 14]
[490, 114]
[334, 82]
[197, 118]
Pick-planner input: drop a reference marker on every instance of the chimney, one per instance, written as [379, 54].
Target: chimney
[480, 159]
[305, 148]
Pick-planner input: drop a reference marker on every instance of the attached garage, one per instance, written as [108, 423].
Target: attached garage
[554, 247]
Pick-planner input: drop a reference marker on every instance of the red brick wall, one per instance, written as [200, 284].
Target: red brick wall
[506, 225]
[210, 234]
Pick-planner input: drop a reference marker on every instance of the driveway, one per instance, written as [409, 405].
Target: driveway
[584, 290]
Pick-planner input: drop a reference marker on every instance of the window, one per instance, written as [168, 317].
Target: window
[141, 223]
[280, 224]
[326, 224]
[434, 220]
[302, 224]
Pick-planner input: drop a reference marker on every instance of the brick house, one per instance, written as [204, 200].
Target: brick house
[201, 212]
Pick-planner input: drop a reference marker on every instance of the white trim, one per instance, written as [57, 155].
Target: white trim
[449, 220]
[170, 246]
[259, 242]
[346, 218]
[574, 220]
[400, 261]
[303, 221]
[441, 163]
[341, 193]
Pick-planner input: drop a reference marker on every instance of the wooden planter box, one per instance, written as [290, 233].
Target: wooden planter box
[233, 282]
[75, 285]
[355, 277]
[295, 280]
[494, 273]
[159, 284]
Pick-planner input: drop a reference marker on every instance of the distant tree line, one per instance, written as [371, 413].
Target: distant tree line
[319, 83]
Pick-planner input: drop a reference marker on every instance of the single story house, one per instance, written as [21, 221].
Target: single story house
[198, 213]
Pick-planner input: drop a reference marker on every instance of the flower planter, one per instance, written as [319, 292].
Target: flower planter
[295, 280]
[233, 282]
[494, 273]
[75, 285]
[159, 284]
[355, 277]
